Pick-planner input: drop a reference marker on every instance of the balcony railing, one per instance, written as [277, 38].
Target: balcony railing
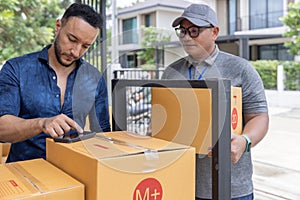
[135, 73]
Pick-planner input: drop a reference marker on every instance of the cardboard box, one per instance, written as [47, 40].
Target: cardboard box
[37, 179]
[236, 110]
[183, 115]
[1, 161]
[127, 166]
[4, 150]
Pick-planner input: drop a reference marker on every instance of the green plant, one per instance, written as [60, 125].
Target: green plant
[292, 75]
[267, 70]
[292, 21]
[151, 35]
[148, 67]
[27, 25]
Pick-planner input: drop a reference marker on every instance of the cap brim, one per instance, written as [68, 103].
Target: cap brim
[195, 21]
[177, 21]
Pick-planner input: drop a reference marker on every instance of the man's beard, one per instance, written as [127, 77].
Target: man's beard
[57, 51]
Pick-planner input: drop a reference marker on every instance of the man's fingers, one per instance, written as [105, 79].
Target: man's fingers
[73, 125]
[58, 125]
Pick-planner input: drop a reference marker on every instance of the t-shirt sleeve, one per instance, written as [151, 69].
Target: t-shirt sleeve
[254, 99]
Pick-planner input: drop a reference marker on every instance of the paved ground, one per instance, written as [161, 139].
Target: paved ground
[277, 157]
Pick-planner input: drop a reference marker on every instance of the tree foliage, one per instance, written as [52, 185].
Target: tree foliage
[27, 25]
[292, 21]
[151, 36]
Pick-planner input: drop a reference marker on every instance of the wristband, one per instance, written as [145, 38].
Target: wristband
[248, 142]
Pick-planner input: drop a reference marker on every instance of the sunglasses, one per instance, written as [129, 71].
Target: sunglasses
[194, 31]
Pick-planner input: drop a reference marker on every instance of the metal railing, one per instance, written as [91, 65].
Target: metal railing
[135, 73]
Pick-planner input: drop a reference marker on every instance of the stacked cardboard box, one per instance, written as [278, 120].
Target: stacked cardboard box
[4, 150]
[37, 179]
[1, 159]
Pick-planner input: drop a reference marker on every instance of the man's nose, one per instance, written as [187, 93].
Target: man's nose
[76, 50]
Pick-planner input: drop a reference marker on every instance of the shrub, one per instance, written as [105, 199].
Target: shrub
[267, 70]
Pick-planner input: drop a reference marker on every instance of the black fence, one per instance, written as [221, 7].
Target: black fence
[96, 54]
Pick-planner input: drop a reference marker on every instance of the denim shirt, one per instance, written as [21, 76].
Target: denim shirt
[28, 89]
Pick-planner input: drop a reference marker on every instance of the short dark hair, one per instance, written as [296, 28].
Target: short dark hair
[84, 12]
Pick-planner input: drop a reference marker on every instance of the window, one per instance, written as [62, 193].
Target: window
[265, 13]
[147, 20]
[232, 16]
[130, 31]
[128, 60]
[274, 52]
[132, 61]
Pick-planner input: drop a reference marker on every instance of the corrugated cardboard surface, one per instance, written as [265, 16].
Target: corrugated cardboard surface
[37, 179]
[183, 115]
[116, 170]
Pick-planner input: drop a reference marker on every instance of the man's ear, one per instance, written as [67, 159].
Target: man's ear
[57, 25]
[215, 32]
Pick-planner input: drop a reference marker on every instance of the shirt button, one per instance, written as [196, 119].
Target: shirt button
[54, 77]
[57, 95]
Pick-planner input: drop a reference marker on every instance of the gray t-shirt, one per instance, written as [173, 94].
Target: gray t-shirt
[242, 74]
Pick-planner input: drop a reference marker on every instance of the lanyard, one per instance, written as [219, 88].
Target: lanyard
[200, 76]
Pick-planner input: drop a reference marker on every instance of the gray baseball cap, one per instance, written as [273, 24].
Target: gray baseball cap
[199, 15]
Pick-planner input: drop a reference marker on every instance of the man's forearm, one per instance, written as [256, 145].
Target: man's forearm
[15, 129]
[256, 127]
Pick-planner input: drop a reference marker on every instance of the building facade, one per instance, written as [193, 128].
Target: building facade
[249, 28]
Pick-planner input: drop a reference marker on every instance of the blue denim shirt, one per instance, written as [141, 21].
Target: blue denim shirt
[28, 89]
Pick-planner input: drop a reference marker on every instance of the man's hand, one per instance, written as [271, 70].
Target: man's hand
[58, 125]
[238, 145]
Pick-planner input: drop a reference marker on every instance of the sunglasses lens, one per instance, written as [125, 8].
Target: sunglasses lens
[194, 32]
[180, 32]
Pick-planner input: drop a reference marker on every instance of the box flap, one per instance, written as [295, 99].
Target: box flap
[121, 143]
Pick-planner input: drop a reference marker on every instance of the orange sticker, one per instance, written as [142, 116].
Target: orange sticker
[148, 189]
[234, 118]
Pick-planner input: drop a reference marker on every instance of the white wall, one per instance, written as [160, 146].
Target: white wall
[164, 20]
[288, 99]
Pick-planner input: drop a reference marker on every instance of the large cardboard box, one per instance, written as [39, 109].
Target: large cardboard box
[183, 115]
[37, 179]
[122, 165]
